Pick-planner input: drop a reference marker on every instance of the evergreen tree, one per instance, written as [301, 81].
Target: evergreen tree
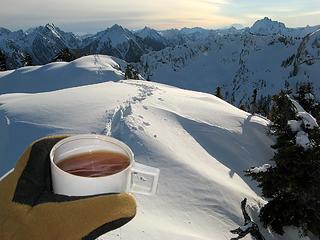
[131, 73]
[218, 93]
[305, 97]
[282, 111]
[254, 101]
[263, 105]
[27, 60]
[286, 85]
[292, 184]
[64, 56]
[242, 107]
[3, 61]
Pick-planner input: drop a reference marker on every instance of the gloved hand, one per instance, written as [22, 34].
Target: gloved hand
[30, 210]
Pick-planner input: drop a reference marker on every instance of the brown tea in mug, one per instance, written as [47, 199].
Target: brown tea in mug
[95, 164]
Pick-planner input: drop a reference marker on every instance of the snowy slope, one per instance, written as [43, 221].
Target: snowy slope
[53, 76]
[201, 144]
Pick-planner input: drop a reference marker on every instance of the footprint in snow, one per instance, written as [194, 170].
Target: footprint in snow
[146, 124]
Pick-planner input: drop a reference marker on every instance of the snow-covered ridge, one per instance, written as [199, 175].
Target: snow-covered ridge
[53, 76]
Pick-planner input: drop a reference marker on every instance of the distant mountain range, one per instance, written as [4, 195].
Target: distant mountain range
[45, 42]
[267, 56]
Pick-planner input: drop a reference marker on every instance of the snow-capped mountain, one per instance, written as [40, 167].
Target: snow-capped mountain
[267, 26]
[45, 42]
[238, 63]
[181, 36]
[10, 45]
[147, 32]
[42, 44]
[115, 41]
[152, 39]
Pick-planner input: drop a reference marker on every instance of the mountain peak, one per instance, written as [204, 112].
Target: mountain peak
[50, 26]
[267, 26]
[147, 28]
[4, 30]
[186, 30]
[116, 27]
[237, 26]
[148, 32]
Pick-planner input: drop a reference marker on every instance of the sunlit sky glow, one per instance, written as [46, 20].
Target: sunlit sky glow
[94, 15]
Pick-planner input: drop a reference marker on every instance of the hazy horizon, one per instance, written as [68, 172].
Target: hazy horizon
[236, 25]
[80, 16]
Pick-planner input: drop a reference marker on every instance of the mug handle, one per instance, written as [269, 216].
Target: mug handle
[140, 178]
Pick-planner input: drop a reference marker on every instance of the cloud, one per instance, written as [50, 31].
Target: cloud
[84, 15]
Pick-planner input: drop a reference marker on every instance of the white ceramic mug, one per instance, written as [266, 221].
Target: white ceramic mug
[136, 178]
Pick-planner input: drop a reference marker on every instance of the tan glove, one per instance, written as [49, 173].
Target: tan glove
[30, 210]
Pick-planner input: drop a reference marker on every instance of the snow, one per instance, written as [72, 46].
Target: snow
[245, 227]
[262, 168]
[308, 120]
[302, 139]
[296, 105]
[294, 125]
[53, 76]
[201, 144]
[309, 96]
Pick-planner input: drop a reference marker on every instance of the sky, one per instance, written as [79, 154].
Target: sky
[83, 16]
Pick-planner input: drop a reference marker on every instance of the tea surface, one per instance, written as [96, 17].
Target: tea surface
[95, 164]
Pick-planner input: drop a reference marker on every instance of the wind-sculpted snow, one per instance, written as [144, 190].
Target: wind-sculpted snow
[200, 143]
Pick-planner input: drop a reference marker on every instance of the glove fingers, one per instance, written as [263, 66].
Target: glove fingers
[89, 217]
[21, 163]
[9, 183]
[33, 172]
